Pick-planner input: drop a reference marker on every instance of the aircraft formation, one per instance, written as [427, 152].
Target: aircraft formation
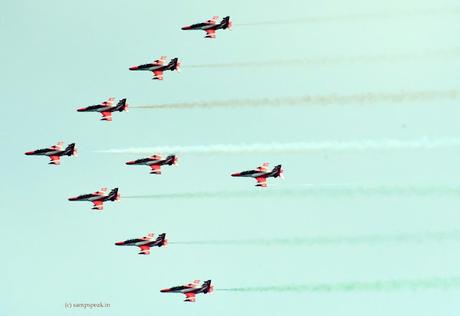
[155, 161]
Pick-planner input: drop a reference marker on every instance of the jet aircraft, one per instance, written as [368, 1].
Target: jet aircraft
[190, 290]
[211, 26]
[106, 108]
[98, 198]
[158, 67]
[261, 174]
[55, 152]
[144, 243]
[155, 162]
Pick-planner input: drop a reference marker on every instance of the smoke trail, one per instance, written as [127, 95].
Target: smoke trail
[356, 17]
[352, 99]
[297, 147]
[382, 58]
[312, 191]
[441, 236]
[443, 283]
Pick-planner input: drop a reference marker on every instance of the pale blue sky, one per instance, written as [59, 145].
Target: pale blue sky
[61, 55]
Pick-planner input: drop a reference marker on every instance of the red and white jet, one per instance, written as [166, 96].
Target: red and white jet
[55, 152]
[211, 26]
[155, 162]
[158, 66]
[144, 243]
[191, 290]
[261, 174]
[106, 108]
[98, 198]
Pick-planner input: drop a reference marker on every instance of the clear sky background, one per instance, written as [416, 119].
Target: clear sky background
[61, 55]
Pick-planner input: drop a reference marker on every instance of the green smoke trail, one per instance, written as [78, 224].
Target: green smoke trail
[420, 237]
[319, 100]
[444, 283]
[313, 191]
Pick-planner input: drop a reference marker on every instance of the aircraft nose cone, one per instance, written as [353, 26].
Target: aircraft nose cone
[133, 68]
[28, 153]
[236, 174]
[81, 109]
[119, 243]
[185, 28]
[130, 163]
[164, 290]
[72, 198]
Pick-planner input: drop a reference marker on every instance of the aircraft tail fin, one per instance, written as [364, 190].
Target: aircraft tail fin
[122, 105]
[207, 287]
[171, 160]
[70, 150]
[226, 23]
[174, 64]
[162, 241]
[278, 172]
[114, 195]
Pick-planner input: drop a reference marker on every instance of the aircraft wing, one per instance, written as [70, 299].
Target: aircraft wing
[156, 169]
[149, 236]
[98, 205]
[160, 61]
[101, 192]
[106, 116]
[58, 146]
[211, 33]
[157, 157]
[109, 102]
[195, 283]
[263, 167]
[262, 181]
[190, 297]
[158, 74]
[55, 160]
[145, 250]
[213, 20]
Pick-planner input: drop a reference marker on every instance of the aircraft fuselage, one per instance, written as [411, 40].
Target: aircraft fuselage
[46, 152]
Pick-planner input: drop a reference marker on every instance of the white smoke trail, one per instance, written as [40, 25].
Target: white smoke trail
[296, 147]
[421, 237]
[313, 191]
[350, 60]
[441, 283]
[324, 100]
[357, 17]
